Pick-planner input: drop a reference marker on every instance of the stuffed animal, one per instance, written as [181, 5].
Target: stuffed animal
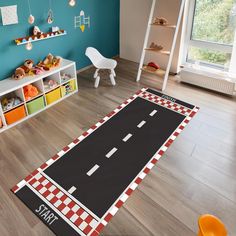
[8, 104]
[37, 31]
[19, 74]
[30, 92]
[50, 62]
[25, 70]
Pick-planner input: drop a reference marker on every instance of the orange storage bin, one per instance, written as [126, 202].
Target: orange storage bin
[15, 115]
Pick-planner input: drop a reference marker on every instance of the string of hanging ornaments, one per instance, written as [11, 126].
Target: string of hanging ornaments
[50, 17]
[31, 20]
[72, 3]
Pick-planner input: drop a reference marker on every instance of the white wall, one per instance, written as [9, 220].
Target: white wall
[134, 16]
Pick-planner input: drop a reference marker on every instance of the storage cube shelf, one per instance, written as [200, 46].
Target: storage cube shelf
[53, 86]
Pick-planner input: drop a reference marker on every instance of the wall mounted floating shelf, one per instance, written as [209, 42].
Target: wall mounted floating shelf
[33, 38]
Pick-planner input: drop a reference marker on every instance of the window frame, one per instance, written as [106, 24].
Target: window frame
[189, 42]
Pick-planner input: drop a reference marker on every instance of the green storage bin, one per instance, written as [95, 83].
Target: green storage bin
[35, 105]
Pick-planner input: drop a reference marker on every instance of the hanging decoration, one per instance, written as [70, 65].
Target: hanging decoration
[72, 3]
[82, 21]
[50, 17]
[29, 46]
[31, 17]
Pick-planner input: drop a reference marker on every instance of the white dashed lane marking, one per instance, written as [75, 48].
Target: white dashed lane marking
[109, 154]
[91, 171]
[141, 124]
[127, 137]
[153, 113]
[72, 190]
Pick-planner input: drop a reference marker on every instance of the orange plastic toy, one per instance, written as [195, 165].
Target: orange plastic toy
[210, 225]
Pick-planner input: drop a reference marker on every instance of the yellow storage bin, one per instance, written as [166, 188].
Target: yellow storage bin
[53, 96]
[68, 88]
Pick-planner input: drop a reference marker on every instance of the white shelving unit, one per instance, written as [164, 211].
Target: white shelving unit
[46, 97]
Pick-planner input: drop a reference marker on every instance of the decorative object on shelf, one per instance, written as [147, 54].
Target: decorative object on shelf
[43, 36]
[65, 77]
[55, 29]
[82, 21]
[9, 103]
[9, 15]
[30, 91]
[72, 3]
[151, 66]
[31, 18]
[156, 47]
[37, 32]
[50, 62]
[49, 84]
[50, 17]
[25, 70]
[160, 21]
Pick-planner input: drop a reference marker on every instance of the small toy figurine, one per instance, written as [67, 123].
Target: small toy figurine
[65, 76]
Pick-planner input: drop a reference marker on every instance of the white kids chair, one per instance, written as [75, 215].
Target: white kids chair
[101, 63]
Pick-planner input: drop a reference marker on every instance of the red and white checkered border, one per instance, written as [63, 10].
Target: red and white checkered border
[73, 212]
[166, 103]
[122, 199]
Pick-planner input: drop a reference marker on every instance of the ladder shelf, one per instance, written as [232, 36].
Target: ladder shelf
[164, 74]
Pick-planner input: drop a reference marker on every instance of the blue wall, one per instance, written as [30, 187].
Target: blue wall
[103, 34]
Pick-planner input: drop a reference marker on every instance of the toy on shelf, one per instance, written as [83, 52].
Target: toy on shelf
[67, 89]
[49, 84]
[30, 91]
[160, 21]
[156, 47]
[9, 103]
[25, 70]
[37, 32]
[49, 62]
[153, 67]
[65, 77]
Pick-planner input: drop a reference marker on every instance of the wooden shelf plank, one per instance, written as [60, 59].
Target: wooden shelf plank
[167, 53]
[164, 26]
[160, 73]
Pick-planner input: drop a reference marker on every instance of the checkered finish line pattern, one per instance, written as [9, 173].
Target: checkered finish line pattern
[72, 211]
[62, 201]
[166, 103]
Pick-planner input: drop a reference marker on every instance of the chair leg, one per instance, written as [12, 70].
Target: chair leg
[97, 77]
[113, 72]
[97, 82]
[113, 82]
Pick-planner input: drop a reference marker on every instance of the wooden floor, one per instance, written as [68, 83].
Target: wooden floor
[196, 176]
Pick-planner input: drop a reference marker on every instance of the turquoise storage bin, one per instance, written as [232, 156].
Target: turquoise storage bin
[35, 105]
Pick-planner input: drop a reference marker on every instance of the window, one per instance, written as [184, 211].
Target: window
[210, 34]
